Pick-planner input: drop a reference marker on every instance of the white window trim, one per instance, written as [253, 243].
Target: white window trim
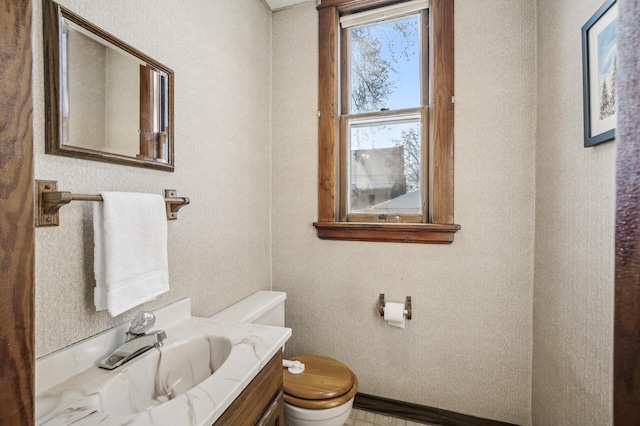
[383, 13]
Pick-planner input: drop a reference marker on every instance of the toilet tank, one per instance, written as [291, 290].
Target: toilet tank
[263, 307]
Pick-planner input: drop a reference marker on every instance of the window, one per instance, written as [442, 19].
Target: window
[386, 121]
[384, 98]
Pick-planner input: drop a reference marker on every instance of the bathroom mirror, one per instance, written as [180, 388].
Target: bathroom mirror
[105, 100]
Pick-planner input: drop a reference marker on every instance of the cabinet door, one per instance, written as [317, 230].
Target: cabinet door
[257, 398]
[274, 415]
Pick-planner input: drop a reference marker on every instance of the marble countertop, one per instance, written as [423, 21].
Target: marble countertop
[87, 397]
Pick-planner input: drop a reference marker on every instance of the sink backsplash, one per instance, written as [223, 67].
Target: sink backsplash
[57, 367]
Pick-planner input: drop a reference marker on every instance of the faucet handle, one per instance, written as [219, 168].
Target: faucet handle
[142, 322]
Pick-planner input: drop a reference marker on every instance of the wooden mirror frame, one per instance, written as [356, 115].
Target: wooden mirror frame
[53, 14]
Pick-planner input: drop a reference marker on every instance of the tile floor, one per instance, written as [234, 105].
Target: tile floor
[365, 418]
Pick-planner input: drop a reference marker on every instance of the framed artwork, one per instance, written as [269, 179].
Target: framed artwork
[599, 63]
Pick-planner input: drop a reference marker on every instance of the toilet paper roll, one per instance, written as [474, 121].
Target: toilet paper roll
[394, 314]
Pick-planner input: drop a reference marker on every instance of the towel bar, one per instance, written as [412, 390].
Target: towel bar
[49, 200]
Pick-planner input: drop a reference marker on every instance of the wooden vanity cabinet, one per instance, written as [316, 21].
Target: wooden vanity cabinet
[261, 402]
[274, 415]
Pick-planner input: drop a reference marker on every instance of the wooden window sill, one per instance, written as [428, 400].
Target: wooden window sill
[424, 233]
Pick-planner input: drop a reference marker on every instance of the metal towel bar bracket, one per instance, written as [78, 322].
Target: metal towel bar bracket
[49, 200]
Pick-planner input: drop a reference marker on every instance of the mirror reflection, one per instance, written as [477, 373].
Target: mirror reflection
[113, 104]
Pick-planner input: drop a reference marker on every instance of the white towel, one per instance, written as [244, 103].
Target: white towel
[130, 255]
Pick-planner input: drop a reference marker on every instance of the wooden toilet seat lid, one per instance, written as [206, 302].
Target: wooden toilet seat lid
[323, 378]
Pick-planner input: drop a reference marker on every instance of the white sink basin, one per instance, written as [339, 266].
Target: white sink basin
[202, 367]
[161, 375]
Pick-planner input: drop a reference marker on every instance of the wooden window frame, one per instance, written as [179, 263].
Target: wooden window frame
[438, 226]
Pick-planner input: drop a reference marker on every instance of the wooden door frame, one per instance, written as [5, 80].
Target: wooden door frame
[626, 377]
[16, 215]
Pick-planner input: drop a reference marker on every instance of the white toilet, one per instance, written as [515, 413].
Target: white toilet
[323, 394]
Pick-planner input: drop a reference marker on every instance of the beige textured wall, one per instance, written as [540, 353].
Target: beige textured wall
[468, 348]
[123, 104]
[220, 246]
[575, 214]
[87, 94]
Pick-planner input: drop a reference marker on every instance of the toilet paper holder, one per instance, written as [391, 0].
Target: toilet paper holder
[407, 306]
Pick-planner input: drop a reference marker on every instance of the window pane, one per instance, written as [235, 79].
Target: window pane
[384, 167]
[384, 65]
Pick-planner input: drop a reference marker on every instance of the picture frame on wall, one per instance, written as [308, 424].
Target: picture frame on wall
[599, 67]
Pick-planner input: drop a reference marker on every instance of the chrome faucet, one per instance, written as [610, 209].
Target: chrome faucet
[138, 341]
